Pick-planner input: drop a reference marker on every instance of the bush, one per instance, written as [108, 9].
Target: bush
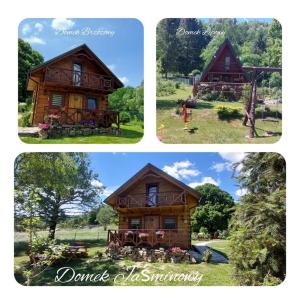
[22, 107]
[165, 87]
[195, 72]
[25, 120]
[207, 256]
[124, 117]
[227, 113]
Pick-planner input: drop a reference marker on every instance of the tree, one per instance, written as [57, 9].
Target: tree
[106, 216]
[27, 59]
[214, 211]
[128, 100]
[258, 227]
[167, 45]
[64, 182]
[190, 45]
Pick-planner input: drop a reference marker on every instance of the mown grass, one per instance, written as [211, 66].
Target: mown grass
[130, 134]
[95, 239]
[208, 127]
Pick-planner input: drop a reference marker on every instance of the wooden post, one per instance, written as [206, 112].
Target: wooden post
[252, 110]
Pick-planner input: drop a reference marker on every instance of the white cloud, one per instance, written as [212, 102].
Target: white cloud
[108, 191]
[124, 79]
[112, 67]
[241, 192]
[233, 157]
[62, 24]
[35, 40]
[204, 181]
[230, 159]
[220, 167]
[39, 27]
[182, 170]
[97, 184]
[26, 29]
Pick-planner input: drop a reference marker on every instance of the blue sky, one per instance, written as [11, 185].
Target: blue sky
[117, 42]
[193, 169]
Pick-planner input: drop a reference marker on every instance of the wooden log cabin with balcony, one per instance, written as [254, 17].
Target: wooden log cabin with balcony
[73, 86]
[224, 73]
[154, 210]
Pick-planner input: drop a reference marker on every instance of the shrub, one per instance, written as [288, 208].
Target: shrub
[195, 72]
[165, 87]
[177, 85]
[25, 120]
[227, 113]
[207, 256]
[124, 117]
[203, 234]
[22, 107]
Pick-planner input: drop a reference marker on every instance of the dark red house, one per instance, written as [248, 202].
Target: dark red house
[223, 74]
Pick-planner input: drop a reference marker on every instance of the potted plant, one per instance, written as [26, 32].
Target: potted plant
[143, 236]
[177, 254]
[160, 234]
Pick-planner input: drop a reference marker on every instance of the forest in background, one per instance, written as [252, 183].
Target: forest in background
[186, 46]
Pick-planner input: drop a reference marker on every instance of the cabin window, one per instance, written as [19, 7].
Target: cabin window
[76, 74]
[227, 63]
[170, 223]
[152, 194]
[92, 103]
[135, 223]
[57, 99]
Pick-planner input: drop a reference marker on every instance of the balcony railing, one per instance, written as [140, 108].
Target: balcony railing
[71, 78]
[152, 200]
[147, 237]
[75, 116]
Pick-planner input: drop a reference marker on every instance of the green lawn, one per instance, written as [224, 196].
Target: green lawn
[95, 239]
[209, 129]
[131, 134]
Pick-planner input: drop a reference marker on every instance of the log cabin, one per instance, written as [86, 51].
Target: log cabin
[154, 210]
[224, 73]
[73, 86]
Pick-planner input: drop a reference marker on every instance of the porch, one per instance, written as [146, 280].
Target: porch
[148, 237]
[86, 117]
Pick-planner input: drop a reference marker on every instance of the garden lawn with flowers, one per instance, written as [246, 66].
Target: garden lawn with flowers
[130, 272]
[212, 122]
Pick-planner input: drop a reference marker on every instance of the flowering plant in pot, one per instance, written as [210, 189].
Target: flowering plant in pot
[143, 235]
[160, 233]
[129, 233]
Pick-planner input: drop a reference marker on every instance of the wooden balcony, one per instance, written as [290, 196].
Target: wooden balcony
[153, 200]
[147, 237]
[74, 116]
[75, 79]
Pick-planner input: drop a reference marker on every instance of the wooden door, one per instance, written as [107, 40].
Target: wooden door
[151, 222]
[75, 107]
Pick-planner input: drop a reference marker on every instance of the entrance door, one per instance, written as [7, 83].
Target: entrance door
[151, 222]
[75, 107]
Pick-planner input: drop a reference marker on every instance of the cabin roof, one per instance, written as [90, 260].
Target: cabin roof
[83, 47]
[154, 169]
[217, 55]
